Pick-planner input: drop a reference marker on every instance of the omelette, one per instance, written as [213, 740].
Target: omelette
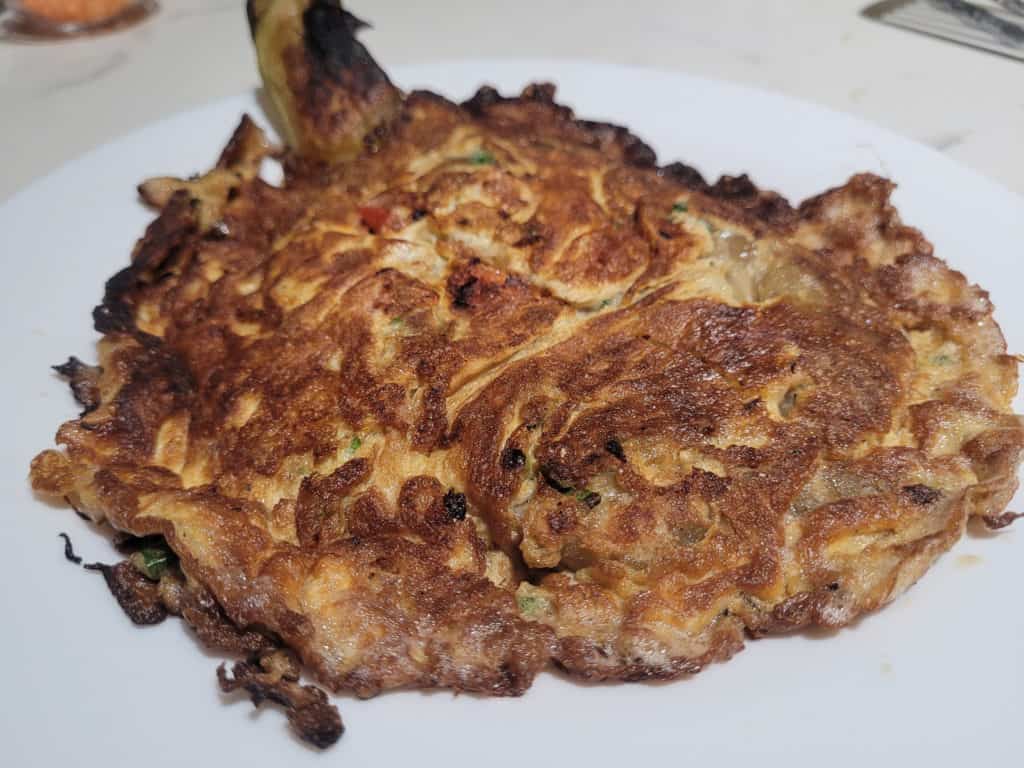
[483, 388]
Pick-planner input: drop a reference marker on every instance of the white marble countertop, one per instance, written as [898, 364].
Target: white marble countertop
[59, 100]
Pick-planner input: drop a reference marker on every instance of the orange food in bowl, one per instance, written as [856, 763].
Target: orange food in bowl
[74, 11]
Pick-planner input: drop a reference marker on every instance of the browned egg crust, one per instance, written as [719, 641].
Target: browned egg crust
[501, 392]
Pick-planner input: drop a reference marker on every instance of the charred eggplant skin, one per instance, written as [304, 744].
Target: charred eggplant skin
[332, 98]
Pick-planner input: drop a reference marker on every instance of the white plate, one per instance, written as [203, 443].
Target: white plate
[935, 679]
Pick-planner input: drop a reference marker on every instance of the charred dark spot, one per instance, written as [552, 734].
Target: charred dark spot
[484, 98]
[330, 37]
[833, 587]
[462, 293]
[614, 447]
[664, 235]
[69, 550]
[731, 187]
[274, 676]
[922, 494]
[417, 214]
[163, 244]
[512, 459]
[530, 238]
[636, 152]
[773, 208]
[686, 175]
[114, 315]
[751, 405]
[542, 93]
[84, 381]
[138, 597]
[590, 499]
[533, 233]
[376, 135]
[455, 505]
[550, 475]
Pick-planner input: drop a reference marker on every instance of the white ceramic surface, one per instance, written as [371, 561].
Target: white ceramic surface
[936, 679]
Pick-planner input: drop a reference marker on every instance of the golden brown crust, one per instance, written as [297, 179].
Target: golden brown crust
[502, 392]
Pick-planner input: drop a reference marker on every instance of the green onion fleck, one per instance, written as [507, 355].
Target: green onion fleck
[680, 208]
[530, 604]
[605, 303]
[151, 562]
[354, 445]
[481, 157]
[397, 321]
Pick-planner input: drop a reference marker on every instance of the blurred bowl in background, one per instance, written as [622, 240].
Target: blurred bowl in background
[56, 19]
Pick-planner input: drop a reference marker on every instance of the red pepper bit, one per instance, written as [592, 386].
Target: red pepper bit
[374, 216]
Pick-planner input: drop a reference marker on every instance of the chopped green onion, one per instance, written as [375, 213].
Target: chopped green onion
[605, 303]
[151, 562]
[680, 208]
[481, 157]
[397, 321]
[530, 604]
[354, 445]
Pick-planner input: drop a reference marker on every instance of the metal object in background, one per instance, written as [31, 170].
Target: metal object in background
[1013, 6]
[996, 26]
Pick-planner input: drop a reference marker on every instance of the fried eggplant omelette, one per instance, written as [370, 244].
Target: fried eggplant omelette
[481, 387]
